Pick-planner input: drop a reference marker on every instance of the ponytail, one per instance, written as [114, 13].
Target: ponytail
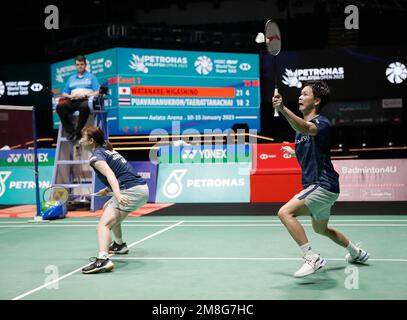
[107, 145]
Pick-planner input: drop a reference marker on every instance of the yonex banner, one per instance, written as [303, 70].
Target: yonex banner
[219, 153]
[25, 158]
[372, 180]
[148, 171]
[217, 182]
[17, 184]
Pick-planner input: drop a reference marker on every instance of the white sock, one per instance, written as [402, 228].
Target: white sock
[353, 250]
[307, 249]
[119, 240]
[103, 255]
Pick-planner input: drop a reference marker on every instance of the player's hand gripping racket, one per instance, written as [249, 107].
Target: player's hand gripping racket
[105, 192]
[272, 38]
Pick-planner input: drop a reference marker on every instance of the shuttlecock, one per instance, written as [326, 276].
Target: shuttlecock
[260, 37]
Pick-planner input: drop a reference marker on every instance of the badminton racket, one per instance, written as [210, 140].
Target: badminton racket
[272, 38]
[56, 193]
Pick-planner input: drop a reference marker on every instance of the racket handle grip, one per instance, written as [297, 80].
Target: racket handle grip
[276, 114]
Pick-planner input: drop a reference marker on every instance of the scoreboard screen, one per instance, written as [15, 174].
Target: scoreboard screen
[158, 91]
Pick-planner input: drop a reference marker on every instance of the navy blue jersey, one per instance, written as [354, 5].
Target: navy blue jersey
[124, 172]
[314, 155]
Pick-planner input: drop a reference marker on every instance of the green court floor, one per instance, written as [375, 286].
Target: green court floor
[201, 257]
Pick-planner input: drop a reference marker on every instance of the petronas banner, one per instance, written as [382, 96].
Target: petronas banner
[203, 183]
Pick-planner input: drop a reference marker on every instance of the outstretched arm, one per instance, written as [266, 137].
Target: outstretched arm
[297, 123]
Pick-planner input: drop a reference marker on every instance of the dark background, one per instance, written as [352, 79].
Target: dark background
[219, 25]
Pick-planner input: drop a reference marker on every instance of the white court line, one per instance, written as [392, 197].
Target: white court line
[139, 225]
[245, 258]
[304, 224]
[141, 220]
[79, 269]
[78, 225]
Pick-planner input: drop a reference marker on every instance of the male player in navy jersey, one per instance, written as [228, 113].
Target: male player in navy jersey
[319, 179]
[129, 192]
[75, 95]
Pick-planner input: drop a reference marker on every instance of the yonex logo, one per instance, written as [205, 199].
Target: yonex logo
[36, 87]
[108, 63]
[206, 154]
[203, 65]
[3, 177]
[13, 157]
[245, 66]
[189, 153]
[396, 72]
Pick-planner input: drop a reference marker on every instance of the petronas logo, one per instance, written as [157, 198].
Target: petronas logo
[172, 187]
[3, 177]
[2, 88]
[396, 72]
[203, 65]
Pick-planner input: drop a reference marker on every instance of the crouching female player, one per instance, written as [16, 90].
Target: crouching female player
[129, 190]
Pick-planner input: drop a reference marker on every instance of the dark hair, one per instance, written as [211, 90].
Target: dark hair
[320, 90]
[97, 134]
[80, 58]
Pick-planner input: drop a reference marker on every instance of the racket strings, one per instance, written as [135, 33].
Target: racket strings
[56, 194]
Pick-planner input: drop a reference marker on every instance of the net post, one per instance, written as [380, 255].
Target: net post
[37, 186]
[37, 217]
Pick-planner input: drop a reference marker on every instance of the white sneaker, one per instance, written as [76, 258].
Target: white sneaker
[311, 264]
[360, 258]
